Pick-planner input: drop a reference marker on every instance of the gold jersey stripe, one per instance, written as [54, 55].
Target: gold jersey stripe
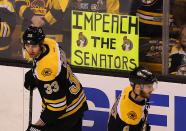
[21, 11]
[74, 110]
[43, 105]
[58, 105]
[150, 22]
[4, 48]
[1, 29]
[149, 13]
[49, 18]
[55, 101]
[56, 109]
[76, 100]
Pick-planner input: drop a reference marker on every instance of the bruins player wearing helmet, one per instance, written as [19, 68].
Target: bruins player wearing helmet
[7, 25]
[63, 98]
[127, 112]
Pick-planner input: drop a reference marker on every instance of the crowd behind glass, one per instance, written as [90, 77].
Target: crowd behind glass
[55, 18]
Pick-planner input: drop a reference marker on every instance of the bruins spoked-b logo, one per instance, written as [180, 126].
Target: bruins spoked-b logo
[46, 72]
[132, 115]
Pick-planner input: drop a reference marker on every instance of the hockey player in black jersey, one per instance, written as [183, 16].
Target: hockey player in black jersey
[63, 98]
[128, 110]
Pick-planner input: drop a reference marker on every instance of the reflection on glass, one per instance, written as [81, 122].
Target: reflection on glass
[55, 18]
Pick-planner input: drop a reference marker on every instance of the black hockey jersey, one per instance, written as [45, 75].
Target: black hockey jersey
[126, 113]
[150, 14]
[150, 17]
[61, 92]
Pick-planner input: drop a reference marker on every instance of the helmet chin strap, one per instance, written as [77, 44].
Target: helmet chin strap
[141, 91]
[136, 95]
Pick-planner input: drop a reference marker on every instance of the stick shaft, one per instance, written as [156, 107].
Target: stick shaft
[30, 107]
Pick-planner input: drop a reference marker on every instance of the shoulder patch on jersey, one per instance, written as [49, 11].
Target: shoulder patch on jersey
[132, 115]
[46, 72]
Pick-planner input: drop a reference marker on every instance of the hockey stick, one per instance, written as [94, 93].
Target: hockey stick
[145, 125]
[30, 107]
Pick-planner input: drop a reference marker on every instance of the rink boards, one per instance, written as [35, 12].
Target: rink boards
[167, 112]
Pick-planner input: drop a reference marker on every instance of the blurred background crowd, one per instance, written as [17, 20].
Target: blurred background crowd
[55, 18]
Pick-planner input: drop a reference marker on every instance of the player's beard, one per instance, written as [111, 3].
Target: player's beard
[145, 95]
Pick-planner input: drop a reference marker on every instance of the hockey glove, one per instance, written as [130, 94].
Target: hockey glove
[29, 81]
[34, 128]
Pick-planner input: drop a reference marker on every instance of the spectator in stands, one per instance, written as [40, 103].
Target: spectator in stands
[178, 53]
[7, 26]
[50, 15]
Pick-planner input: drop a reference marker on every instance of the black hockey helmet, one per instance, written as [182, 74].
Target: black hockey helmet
[33, 35]
[140, 75]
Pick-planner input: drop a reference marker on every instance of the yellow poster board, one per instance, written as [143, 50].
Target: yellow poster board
[103, 40]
